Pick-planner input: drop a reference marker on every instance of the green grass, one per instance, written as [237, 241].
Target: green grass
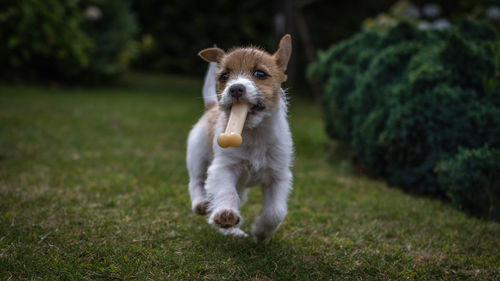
[93, 186]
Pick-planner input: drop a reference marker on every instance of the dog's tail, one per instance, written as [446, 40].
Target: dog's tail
[209, 92]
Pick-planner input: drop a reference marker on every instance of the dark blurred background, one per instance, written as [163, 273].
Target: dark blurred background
[92, 41]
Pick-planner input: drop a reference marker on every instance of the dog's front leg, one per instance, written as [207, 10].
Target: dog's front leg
[275, 195]
[224, 199]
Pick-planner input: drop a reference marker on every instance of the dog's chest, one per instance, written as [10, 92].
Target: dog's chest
[261, 163]
[255, 168]
[266, 152]
[257, 160]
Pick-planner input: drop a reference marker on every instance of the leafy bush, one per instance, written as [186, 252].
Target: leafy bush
[471, 180]
[407, 99]
[113, 36]
[177, 30]
[65, 40]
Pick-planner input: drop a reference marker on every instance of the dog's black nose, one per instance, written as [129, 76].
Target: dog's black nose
[237, 90]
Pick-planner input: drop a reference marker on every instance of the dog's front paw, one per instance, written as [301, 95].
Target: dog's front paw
[262, 230]
[201, 208]
[261, 235]
[225, 218]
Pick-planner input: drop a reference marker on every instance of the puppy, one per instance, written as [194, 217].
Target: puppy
[219, 178]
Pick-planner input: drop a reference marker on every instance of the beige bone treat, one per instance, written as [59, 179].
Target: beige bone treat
[232, 135]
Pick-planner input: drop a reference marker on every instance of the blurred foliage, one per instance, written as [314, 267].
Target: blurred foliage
[472, 182]
[113, 36]
[65, 40]
[332, 21]
[406, 99]
[91, 40]
[431, 14]
[42, 39]
[173, 32]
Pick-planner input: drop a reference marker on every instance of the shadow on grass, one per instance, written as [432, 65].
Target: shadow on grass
[277, 260]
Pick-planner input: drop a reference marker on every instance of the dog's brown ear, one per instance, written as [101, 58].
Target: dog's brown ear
[282, 55]
[211, 54]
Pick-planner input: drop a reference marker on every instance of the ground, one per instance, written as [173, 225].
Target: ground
[93, 186]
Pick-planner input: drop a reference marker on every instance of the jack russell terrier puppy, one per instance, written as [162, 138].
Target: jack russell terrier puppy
[219, 178]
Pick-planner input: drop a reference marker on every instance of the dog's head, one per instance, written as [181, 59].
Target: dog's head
[250, 75]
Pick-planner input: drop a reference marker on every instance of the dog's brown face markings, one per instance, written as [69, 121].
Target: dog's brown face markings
[255, 64]
[266, 71]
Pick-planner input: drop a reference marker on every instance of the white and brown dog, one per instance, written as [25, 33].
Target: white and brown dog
[220, 177]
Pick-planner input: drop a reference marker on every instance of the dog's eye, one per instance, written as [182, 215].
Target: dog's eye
[260, 74]
[223, 77]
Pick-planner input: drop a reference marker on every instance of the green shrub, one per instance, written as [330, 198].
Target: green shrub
[177, 30]
[407, 99]
[471, 180]
[57, 40]
[113, 36]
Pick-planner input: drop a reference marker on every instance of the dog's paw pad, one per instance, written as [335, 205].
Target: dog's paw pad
[226, 218]
[201, 208]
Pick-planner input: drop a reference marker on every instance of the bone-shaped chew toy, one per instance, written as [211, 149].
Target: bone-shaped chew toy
[232, 135]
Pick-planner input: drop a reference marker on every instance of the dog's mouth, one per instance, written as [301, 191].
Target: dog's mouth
[258, 107]
[253, 110]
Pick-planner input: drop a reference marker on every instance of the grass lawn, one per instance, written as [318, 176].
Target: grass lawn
[93, 186]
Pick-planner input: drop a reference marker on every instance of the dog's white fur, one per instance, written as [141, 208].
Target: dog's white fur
[222, 176]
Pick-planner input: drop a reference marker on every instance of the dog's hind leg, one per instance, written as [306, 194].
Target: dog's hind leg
[198, 160]
[274, 209]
